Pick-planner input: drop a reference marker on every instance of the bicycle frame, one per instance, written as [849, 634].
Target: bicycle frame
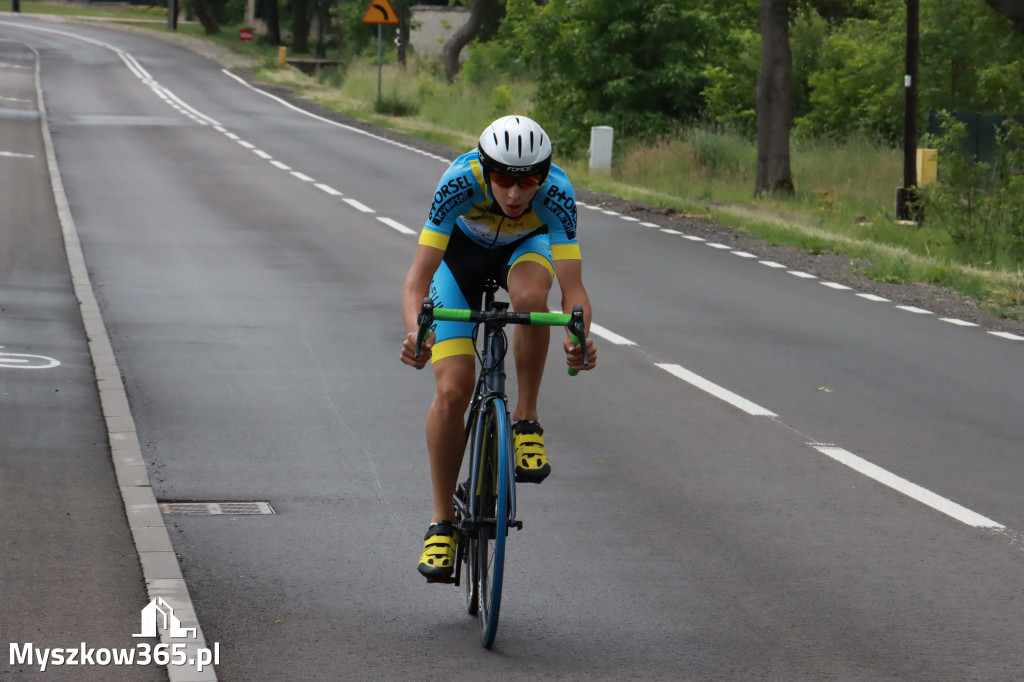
[491, 386]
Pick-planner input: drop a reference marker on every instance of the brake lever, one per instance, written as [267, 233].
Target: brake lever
[425, 319]
[579, 335]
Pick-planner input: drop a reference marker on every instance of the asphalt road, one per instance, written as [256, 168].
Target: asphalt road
[765, 477]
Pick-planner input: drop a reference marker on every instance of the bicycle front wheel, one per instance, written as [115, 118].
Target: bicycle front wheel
[493, 481]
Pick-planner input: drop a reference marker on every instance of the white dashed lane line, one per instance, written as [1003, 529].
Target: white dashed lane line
[358, 205]
[395, 225]
[716, 390]
[327, 188]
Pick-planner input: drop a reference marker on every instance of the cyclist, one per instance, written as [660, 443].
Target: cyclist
[502, 211]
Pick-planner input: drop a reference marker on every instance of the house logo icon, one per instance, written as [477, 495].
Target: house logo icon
[160, 611]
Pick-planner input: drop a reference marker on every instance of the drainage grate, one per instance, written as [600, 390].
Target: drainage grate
[215, 508]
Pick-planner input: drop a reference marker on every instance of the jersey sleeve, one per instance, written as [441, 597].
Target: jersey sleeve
[460, 187]
[558, 208]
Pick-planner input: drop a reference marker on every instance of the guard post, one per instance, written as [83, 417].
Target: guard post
[600, 153]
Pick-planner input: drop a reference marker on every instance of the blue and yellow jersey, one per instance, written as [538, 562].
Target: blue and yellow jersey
[463, 202]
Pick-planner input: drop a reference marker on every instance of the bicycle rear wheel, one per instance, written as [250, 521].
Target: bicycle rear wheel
[487, 563]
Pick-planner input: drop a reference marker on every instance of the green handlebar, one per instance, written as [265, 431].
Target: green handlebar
[452, 315]
[546, 319]
[550, 319]
[457, 315]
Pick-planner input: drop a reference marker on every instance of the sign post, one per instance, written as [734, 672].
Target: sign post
[380, 12]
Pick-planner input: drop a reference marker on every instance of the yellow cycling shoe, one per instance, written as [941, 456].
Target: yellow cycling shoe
[438, 558]
[532, 465]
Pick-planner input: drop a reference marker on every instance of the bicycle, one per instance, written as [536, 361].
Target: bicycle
[485, 503]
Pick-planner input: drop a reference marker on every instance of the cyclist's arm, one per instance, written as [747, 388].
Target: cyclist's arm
[570, 281]
[417, 283]
[569, 273]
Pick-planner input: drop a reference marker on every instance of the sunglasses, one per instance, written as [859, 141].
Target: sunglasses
[506, 181]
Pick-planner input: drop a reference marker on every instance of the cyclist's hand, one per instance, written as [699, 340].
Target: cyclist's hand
[574, 354]
[409, 350]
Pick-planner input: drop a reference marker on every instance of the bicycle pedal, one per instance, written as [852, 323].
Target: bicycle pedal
[446, 581]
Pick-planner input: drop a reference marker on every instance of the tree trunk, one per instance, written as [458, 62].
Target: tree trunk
[300, 26]
[1011, 9]
[774, 99]
[273, 36]
[453, 47]
[205, 18]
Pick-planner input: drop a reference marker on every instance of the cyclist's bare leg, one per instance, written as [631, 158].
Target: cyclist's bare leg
[446, 437]
[528, 287]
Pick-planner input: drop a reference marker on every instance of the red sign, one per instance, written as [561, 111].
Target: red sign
[245, 35]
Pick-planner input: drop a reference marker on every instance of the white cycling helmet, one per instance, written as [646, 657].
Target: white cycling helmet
[515, 145]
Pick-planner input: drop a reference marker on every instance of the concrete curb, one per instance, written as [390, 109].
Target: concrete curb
[160, 568]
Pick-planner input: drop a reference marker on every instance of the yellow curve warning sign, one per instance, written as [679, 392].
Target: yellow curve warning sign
[381, 12]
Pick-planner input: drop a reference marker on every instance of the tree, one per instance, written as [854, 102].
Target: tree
[1011, 9]
[273, 20]
[300, 26]
[205, 17]
[773, 95]
[637, 66]
[466, 33]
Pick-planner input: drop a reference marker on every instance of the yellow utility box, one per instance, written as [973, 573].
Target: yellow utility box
[927, 166]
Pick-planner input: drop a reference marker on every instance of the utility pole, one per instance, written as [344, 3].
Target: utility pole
[172, 15]
[906, 204]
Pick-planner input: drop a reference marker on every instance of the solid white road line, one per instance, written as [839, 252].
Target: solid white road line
[909, 489]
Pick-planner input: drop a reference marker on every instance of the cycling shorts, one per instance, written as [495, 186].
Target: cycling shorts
[459, 283]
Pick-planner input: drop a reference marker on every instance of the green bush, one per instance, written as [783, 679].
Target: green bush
[980, 205]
